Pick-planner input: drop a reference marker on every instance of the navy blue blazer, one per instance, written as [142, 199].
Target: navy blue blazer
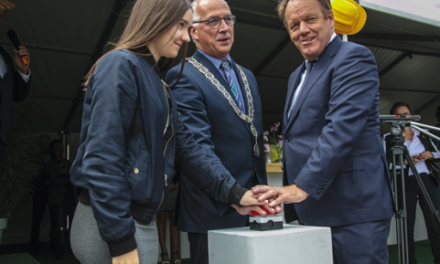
[13, 88]
[126, 156]
[332, 145]
[224, 136]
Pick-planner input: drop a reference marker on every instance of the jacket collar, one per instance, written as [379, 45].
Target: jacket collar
[146, 55]
[211, 67]
[318, 69]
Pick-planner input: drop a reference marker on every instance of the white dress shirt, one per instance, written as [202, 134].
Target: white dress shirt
[415, 147]
[303, 77]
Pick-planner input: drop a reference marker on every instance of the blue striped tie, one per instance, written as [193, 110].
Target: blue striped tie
[237, 94]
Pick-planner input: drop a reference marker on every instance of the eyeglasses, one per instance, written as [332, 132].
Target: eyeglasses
[214, 22]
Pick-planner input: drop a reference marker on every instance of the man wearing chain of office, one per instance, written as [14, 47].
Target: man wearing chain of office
[219, 101]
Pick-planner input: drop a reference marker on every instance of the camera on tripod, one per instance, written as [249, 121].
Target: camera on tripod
[400, 154]
[398, 122]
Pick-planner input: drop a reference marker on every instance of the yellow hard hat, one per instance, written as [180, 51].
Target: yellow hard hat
[349, 16]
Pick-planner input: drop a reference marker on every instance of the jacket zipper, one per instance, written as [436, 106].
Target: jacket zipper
[166, 144]
[168, 141]
[168, 117]
[161, 201]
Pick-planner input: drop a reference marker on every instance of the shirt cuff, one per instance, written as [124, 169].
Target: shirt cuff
[25, 77]
[235, 194]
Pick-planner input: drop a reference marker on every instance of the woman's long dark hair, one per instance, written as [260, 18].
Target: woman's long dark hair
[149, 19]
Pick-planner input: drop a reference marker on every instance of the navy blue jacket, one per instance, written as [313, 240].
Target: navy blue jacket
[127, 155]
[332, 147]
[224, 136]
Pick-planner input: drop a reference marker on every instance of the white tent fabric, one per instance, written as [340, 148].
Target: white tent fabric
[65, 37]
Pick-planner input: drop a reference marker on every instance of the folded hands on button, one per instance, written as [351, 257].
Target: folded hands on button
[250, 202]
[278, 195]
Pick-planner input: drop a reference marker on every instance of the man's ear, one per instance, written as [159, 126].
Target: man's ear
[194, 33]
[332, 18]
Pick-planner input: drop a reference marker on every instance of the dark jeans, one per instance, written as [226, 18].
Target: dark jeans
[413, 194]
[198, 246]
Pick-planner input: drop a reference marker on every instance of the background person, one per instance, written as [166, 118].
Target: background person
[14, 84]
[40, 194]
[437, 115]
[131, 140]
[334, 164]
[224, 131]
[169, 214]
[421, 148]
[61, 198]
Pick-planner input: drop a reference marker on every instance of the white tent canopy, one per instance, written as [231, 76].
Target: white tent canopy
[65, 37]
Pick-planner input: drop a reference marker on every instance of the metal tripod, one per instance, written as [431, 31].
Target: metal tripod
[400, 153]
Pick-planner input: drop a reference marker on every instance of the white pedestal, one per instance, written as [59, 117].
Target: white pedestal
[293, 244]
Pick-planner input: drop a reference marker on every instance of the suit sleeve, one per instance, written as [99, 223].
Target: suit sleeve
[21, 88]
[112, 109]
[193, 162]
[353, 90]
[193, 114]
[436, 152]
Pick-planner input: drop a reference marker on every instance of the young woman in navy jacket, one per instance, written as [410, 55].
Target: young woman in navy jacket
[132, 139]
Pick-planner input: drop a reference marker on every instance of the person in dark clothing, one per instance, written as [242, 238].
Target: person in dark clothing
[437, 133]
[61, 198]
[169, 213]
[131, 140]
[40, 194]
[14, 85]
[437, 142]
[219, 101]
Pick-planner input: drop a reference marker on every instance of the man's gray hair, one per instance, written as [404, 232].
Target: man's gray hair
[196, 16]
